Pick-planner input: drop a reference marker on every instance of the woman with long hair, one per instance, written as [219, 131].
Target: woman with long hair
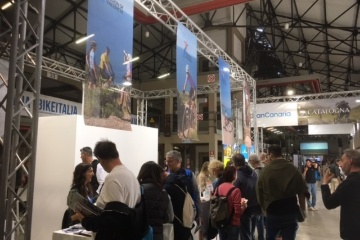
[81, 183]
[158, 205]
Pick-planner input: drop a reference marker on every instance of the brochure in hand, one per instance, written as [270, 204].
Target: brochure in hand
[78, 203]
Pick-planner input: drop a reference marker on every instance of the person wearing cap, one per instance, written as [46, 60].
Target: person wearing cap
[86, 155]
[347, 195]
[309, 173]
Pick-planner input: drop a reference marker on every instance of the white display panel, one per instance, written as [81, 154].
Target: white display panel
[276, 114]
[331, 129]
[60, 139]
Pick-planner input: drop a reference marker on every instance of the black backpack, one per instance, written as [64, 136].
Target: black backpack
[94, 181]
[119, 222]
[220, 214]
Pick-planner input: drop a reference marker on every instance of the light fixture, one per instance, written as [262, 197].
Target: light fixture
[147, 34]
[131, 60]
[164, 75]
[357, 100]
[286, 27]
[289, 91]
[7, 5]
[260, 29]
[80, 40]
[127, 83]
[300, 64]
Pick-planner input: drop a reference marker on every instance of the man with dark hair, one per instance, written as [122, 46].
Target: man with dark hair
[309, 173]
[279, 188]
[246, 182]
[98, 179]
[347, 194]
[120, 185]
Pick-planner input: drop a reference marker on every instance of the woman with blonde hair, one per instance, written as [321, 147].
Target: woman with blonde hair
[204, 176]
[216, 168]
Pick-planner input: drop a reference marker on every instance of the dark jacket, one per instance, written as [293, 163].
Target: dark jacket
[177, 199]
[118, 222]
[246, 182]
[347, 195]
[157, 202]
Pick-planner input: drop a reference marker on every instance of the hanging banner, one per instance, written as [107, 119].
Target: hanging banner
[227, 121]
[329, 111]
[186, 75]
[108, 65]
[247, 113]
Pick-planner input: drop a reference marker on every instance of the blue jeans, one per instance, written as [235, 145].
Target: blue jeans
[286, 225]
[248, 222]
[230, 233]
[313, 191]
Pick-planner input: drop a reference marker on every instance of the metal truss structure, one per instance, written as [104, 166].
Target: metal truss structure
[24, 36]
[308, 97]
[170, 15]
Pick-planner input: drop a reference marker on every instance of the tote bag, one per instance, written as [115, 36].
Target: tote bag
[168, 231]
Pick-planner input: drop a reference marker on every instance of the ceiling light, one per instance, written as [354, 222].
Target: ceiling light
[357, 100]
[260, 29]
[131, 60]
[164, 75]
[147, 34]
[127, 83]
[286, 27]
[7, 5]
[300, 64]
[84, 38]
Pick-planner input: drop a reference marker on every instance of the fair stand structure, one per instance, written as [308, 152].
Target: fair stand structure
[60, 139]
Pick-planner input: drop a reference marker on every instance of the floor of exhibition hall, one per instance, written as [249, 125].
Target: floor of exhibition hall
[319, 225]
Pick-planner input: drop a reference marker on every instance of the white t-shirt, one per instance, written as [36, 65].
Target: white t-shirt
[100, 176]
[120, 185]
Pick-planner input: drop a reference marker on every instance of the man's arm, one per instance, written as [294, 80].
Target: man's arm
[331, 201]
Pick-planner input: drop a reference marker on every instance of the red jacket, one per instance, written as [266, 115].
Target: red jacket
[234, 201]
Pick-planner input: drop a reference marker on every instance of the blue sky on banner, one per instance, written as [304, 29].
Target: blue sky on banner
[186, 55]
[225, 93]
[112, 23]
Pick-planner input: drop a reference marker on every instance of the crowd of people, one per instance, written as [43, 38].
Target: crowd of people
[267, 194]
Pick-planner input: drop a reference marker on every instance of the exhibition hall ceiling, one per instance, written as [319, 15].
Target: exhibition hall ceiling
[285, 38]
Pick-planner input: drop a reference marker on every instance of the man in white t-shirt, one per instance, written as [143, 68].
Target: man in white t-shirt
[120, 184]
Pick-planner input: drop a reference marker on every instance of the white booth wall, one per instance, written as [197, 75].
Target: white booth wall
[60, 139]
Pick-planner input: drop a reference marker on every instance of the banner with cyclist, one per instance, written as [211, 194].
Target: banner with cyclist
[108, 66]
[247, 113]
[186, 74]
[227, 121]
[329, 111]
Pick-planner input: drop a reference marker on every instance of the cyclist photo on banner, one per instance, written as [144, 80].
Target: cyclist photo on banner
[189, 102]
[186, 85]
[225, 99]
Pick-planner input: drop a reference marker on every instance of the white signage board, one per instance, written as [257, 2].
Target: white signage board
[276, 114]
[323, 129]
[53, 106]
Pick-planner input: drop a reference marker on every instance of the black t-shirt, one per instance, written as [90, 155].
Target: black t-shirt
[310, 176]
